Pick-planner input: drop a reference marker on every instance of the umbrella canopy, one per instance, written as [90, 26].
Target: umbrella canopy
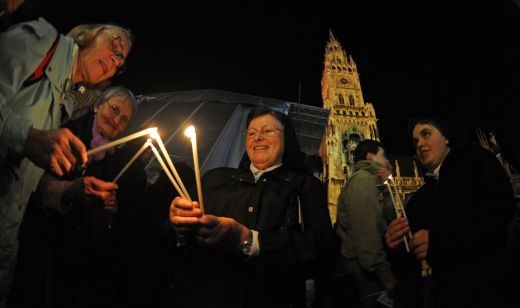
[219, 118]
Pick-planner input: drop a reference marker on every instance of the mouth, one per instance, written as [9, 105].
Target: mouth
[424, 153]
[260, 147]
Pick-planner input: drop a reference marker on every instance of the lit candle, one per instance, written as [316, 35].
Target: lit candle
[190, 132]
[141, 150]
[122, 140]
[161, 162]
[157, 138]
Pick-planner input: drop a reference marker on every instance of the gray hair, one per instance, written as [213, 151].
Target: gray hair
[118, 91]
[84, 34]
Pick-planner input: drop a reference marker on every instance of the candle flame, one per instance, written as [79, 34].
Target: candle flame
[154, 134]
[190, 131]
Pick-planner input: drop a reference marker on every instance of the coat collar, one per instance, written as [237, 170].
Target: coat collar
[281, 173]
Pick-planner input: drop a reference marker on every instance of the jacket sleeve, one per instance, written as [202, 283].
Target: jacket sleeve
[21, 49]
[366, 215]
[55, 195]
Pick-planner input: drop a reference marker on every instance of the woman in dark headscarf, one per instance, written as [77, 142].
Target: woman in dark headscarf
[265, 230]
[459, 222]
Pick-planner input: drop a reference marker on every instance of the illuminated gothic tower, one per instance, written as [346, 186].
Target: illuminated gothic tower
[351, 118]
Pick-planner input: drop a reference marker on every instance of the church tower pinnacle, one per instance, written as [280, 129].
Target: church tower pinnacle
[351, 119]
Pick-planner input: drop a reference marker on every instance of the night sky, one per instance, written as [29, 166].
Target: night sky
[457, 61]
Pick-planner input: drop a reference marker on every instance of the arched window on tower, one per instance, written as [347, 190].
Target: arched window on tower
[341, 100]
[351, 100]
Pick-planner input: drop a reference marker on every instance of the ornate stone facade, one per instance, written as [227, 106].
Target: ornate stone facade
[351, 120]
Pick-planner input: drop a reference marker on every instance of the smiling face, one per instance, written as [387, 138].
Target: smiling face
[102, 58]
[112, 116]
[265, 141]
[431, 146]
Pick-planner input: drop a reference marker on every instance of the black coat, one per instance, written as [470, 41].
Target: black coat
[467, 212]
[290, 252]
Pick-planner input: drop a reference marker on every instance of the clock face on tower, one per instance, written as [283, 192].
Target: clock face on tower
[344, 81]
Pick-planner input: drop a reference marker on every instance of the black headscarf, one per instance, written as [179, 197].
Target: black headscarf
[293, 158]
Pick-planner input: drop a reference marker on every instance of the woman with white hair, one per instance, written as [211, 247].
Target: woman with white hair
[40, 67]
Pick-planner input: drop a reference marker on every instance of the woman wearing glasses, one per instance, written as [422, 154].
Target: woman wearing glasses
[82, 231]
[266, 227]
[39, 68]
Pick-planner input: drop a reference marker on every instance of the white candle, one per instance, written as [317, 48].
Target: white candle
[141, 150]
[122, 140]
[399, 209]
[190, 132]
[161, 162]
[170, 163]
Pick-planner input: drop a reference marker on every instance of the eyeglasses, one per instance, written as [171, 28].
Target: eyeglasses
[116, 43]
[266, 131]
[116, 111]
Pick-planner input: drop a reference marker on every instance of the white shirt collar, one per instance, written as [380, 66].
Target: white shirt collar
[257, 173]
[436, 171]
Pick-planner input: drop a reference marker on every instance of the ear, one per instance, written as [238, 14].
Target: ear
[446, 141]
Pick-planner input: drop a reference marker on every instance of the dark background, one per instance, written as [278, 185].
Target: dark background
[460, 61]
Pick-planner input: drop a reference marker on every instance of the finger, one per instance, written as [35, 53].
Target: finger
[66, 152]
[102, 195]
[55, 167]
[181, 203]
[102, 185]
[63, 162]
[77, 148]
[209, 221]
[393, 244]
[184, 221]
[191, 213]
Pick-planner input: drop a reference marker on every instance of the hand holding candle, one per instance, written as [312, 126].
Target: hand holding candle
[190, 132]
[399, 208]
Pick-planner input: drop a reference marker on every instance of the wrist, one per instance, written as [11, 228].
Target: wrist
[246, 245]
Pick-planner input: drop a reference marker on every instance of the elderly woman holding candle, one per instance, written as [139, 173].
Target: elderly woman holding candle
[265, 230]
[459, 221]
[82, 207]
[109, 117]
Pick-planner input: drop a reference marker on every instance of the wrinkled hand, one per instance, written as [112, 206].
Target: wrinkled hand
[184, 215]
[420, 243]
[221, 232]
[56, 150]
[111, 203]
[101, 190]
[395, 232]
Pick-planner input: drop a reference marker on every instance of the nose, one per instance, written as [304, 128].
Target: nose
[420, 143]
[259, 135]
[117, 61]
[117, 119]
